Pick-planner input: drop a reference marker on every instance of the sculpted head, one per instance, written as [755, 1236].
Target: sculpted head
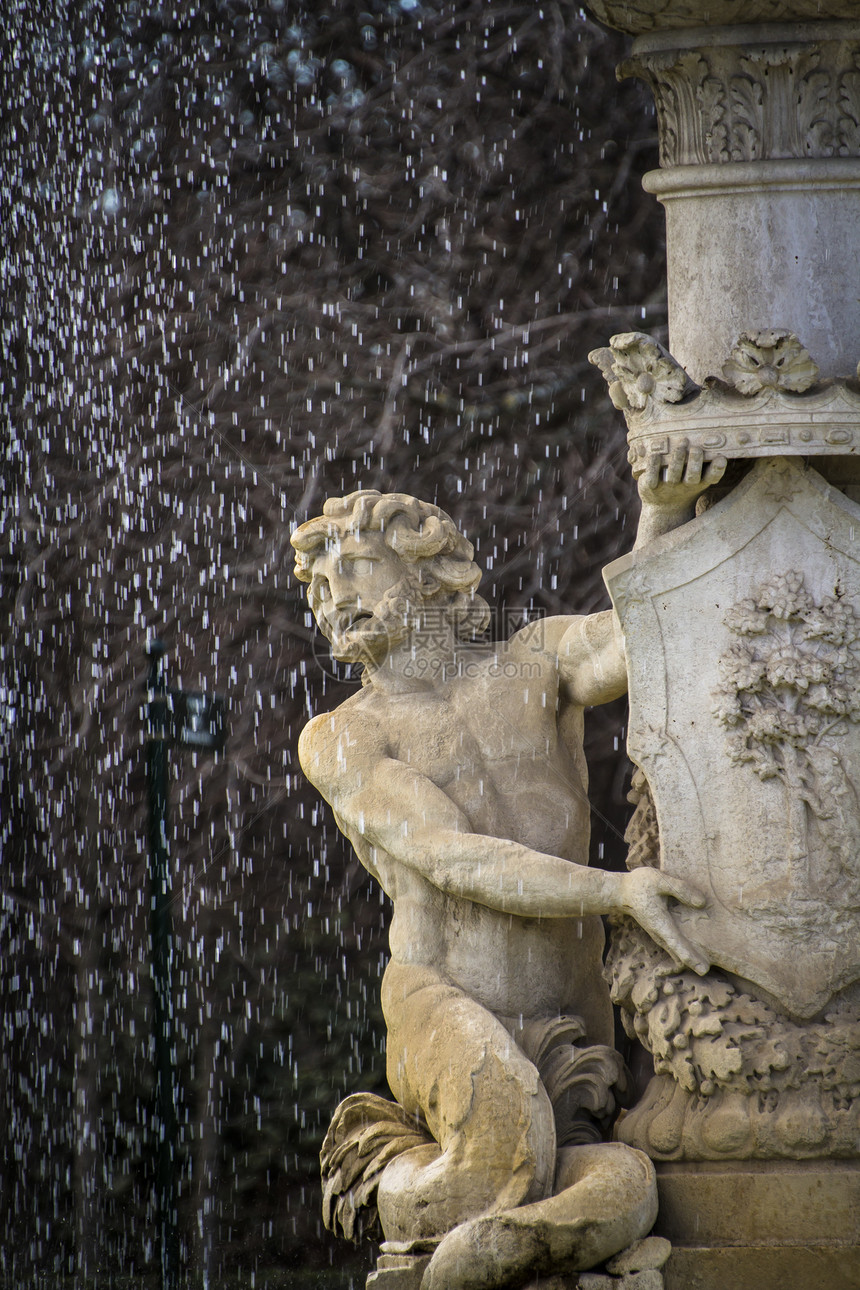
[377, 565]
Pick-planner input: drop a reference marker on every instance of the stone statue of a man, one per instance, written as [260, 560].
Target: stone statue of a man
[458, 775]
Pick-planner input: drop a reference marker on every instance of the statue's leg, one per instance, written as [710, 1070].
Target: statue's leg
[482, 1099]
[607, 1199]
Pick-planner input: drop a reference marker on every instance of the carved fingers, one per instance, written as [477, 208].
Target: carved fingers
[645, 894]
[675, 479]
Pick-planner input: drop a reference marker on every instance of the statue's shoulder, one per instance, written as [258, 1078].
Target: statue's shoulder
[327, 737]
[544, 635]
[325, 725]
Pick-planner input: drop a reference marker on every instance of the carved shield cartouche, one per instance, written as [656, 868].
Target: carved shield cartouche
[742, 632]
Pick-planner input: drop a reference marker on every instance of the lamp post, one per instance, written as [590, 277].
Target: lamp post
[185, 719]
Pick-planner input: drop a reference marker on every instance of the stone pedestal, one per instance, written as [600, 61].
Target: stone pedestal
[749, 1226]
[398, 1272]
[404, 1272]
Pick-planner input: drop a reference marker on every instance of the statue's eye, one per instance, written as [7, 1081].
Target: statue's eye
[362, 565]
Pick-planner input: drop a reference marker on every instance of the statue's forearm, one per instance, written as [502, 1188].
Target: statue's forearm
[669, 487]
[657, 520]
[515, 880]
[512, 878]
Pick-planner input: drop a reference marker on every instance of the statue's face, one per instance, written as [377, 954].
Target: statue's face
[349, 581]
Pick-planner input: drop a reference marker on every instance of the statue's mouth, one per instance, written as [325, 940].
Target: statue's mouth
[352, 634]
[347, 621]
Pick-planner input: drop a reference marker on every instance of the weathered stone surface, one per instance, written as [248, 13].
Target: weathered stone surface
[650, 1279]
[773, 359]
[643, 1256]
[759, 1059]
[637, 16]
[749, 247]
[596, 1281]
[463, 794]
[757, 1227]
[783, 1203]
[760, 177]
[458, 775]
[750, 748]
[554, 1283]
[770, 402]
[760, 591]
[398, 1272]
[765, 95]
[761, 1227]
[800, 1267]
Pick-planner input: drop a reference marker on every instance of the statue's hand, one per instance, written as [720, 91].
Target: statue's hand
[675, 484]
[645, 894]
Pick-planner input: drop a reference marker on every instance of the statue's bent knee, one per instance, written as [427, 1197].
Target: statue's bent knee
[608, 1200]
[486, 1108]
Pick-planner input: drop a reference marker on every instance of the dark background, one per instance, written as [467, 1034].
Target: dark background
[256, 255]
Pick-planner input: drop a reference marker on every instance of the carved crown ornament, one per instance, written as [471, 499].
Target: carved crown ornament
[791, 93]
[768, 402]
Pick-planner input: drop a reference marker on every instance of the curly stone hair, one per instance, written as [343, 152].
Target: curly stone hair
[421, 534]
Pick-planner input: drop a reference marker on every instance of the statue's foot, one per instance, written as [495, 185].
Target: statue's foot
[488, 1252]
[609, 1202]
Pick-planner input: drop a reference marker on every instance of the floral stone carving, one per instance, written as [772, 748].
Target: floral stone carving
[769, 360]
[639, 371]
[790, 690]
[761, 742]
[789, 94]
[735, 1076]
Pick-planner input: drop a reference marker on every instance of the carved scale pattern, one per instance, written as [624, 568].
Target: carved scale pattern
[755, 102]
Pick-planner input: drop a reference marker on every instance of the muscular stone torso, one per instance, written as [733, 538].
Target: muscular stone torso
[489, 738]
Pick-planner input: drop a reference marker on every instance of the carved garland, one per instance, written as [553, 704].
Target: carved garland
[704, 1032]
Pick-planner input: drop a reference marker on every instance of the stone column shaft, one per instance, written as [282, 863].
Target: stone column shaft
[760, 177]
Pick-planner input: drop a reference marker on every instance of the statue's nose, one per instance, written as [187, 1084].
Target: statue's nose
[340, 584]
